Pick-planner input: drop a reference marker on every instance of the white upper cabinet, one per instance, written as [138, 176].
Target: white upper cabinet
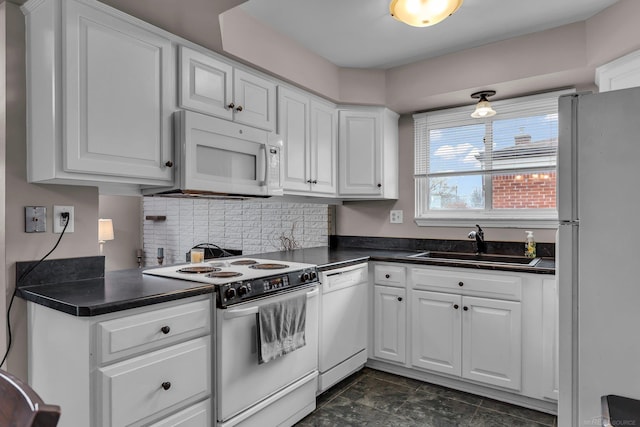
[622, 73]
[308, 130]
[212, 86]
[368, 141]
[101, 90]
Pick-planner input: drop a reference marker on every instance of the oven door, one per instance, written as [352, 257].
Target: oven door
[240, 381]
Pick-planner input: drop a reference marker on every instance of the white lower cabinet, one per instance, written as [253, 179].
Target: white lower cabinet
[475, 338]
[144, 366]
[137, 388]
[488, 332]
[197, 415]
[390, 324]
[436, 332]
[550, 338]
[491, 341]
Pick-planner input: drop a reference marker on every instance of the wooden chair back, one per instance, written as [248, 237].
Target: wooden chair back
[20, 406]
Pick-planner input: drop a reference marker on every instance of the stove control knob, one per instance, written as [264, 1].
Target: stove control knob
[230, 293]
[314, 276]
[305, 277]
[243, 290]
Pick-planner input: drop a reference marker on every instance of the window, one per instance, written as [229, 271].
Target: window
[500, 170]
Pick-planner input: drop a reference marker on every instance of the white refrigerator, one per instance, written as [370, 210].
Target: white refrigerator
[598, 252]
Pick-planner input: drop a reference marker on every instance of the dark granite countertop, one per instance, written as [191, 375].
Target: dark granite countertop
[117, 290]
[329, 258]
[125, 289]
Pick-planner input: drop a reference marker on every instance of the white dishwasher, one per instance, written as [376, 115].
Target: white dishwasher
[343, 323]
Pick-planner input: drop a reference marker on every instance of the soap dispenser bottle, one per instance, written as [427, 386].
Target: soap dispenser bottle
[530, 246]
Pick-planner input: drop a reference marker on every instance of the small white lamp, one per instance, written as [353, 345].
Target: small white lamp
[105, 232]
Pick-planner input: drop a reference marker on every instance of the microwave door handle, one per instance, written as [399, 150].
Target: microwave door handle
[265, 157]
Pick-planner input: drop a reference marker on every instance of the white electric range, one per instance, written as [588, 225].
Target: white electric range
[281, 391]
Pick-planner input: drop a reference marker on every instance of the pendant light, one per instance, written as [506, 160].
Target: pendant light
[483, 107]
[423, 13]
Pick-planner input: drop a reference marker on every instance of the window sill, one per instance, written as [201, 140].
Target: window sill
[469, 219]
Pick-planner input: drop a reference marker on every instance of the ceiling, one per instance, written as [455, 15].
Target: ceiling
[362, 34]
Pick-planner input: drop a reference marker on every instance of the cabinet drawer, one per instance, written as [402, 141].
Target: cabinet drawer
[146, 331]
[468, 283]
[137, 388]
[197, 415]
[389, 275]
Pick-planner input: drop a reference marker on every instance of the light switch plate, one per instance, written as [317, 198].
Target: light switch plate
[395, 217]
[35, 219]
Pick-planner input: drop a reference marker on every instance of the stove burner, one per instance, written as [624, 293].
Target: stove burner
[197, 269]
[224, 274]
[244, 262]
[268, 266]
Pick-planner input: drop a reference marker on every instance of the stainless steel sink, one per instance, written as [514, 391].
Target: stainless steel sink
[478, 258]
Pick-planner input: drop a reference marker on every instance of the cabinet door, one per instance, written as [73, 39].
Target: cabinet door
[491, 341]
[360, 153]
[322, 148]
[206, 84]
[118, 90]
[550, 338]
[197, 415]
[389, 324]
[436, 331]
[134, 389]
[255, 100]
[293, 113]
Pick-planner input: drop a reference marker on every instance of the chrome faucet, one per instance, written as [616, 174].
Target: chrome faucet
[481, 245]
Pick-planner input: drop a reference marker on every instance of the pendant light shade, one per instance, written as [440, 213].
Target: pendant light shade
[483, 107]
[423, 13]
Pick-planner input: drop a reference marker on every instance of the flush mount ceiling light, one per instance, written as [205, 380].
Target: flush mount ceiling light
[483, 107]
[423, 13]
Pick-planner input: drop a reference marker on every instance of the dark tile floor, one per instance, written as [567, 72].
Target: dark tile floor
[373, 398]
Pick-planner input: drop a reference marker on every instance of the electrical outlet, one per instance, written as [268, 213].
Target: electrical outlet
[58, 221]
[395, 217]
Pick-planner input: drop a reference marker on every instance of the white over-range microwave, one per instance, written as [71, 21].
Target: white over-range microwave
[216, 157]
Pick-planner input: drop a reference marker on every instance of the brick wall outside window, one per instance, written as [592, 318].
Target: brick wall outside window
[524, 191]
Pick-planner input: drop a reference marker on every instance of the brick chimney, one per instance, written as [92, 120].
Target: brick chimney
[522, 139]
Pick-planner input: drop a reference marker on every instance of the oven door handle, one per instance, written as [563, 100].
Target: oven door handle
[241, 312]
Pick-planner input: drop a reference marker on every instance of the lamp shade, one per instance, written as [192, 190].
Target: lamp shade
[483, 107]
[423, 13]
[105, 229]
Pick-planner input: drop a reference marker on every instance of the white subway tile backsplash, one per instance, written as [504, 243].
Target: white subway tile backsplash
[248, 225]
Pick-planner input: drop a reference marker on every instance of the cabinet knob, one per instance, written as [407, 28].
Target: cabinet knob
[231, 106]
[169, 164]
[308, 181]
[386, 276]
[166, 385]
[379, 185]
[315, 181]
[465, 308]
[460, 283]
[239, 108]
[165, 329]
[399, 298]
[456, 306]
